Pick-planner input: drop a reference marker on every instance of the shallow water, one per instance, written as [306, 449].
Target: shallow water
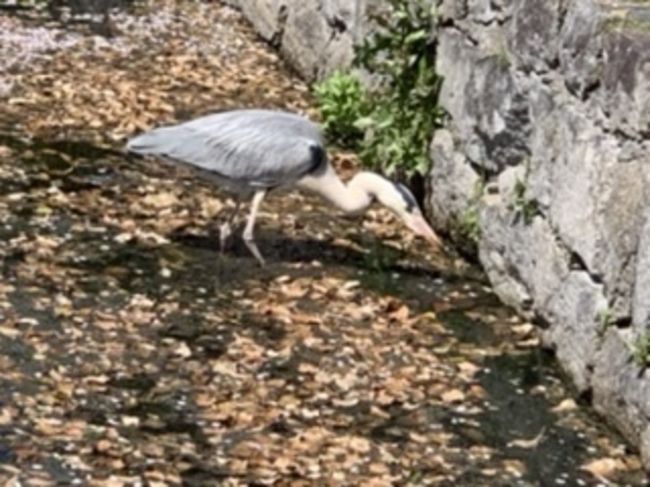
[511, 409]
[131, 346]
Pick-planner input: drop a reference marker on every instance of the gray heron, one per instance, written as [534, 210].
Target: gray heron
[251, 152]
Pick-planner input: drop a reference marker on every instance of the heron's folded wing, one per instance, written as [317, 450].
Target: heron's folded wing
[256, 156]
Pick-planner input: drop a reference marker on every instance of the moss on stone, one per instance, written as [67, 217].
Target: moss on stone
[627, 24]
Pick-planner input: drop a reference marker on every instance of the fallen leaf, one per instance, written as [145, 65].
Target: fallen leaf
[565, 405]
[102, 446]
[6, 416]
[182, 350]
[359, 444]
[604, 467]
[528, 444]
[452, 396]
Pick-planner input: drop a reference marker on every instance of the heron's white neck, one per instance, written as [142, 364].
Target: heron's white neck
[353, 197]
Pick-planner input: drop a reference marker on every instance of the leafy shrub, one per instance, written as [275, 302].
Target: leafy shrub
[399, 114]
[342, 100]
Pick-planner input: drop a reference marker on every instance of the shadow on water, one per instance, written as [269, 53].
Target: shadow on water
[515, 421]
[516, 414]
[512, 414]
[467, 330]
[79, 165]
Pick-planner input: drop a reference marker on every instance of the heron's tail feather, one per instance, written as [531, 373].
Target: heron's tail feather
[155, 142]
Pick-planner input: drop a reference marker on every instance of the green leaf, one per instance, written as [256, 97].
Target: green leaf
[416, 36]
[364, 123]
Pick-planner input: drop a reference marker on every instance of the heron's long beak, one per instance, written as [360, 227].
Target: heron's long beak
[419, 225]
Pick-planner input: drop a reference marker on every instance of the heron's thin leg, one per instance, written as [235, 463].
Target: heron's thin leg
[225, 229]
[250, 224]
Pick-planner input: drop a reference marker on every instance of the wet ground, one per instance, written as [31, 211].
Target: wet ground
[133, 353]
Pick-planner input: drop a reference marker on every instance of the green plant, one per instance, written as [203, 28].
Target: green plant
[343, 101]
[606, 320]
[406, 112]
[471, 217]
[526, 207]
[641, 350]
[400, 112]
[469, 225]
[503, 57]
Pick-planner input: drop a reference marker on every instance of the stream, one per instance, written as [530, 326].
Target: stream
[133, 353]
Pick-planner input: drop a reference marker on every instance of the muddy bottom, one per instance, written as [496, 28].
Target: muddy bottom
[132, 352]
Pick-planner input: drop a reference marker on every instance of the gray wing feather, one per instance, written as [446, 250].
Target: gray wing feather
[258, 147]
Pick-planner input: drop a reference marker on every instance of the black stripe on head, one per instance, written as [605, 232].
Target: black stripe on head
[407, 196]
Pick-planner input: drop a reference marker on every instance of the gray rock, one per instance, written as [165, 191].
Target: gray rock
[455, 10]
[532, 34]
[575, 313]
[621, 389]
[483, 11]
[555, 95]
[315, 36]
[581, 47]
[594, 202]
[316, 42]
[645, 445]
[641, 296]
[456, 58]
[490, 111]
[265, 15]
[518, 250]
[625, 93]
[457, 183]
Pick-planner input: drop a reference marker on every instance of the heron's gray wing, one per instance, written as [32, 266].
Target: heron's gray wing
[259, 148]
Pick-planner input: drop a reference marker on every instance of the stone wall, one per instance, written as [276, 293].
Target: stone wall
[548, 144]
[315, 36]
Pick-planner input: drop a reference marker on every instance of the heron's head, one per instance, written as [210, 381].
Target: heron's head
[399, 199]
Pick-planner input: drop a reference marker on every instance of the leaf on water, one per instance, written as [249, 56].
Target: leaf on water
[604, 467]
[9, 332]
[401, 314]
[307, 368]
[452, 396]
[103, 446]
[5, 151]
[124, 237]
[359, 444]
[477, 391]
[210, 207]
[378, 469]
[468, 369]
[514, 467]
[345, 402]
[160, 200]
[48, 426]
[565, 405]
[130, 421]
[418, 438]
[183, 351]
[6, 416]
[97, 379]
[525, 329]
[528, 444]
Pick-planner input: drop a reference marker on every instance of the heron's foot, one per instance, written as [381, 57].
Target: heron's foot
[252, 246]
[225, 231]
